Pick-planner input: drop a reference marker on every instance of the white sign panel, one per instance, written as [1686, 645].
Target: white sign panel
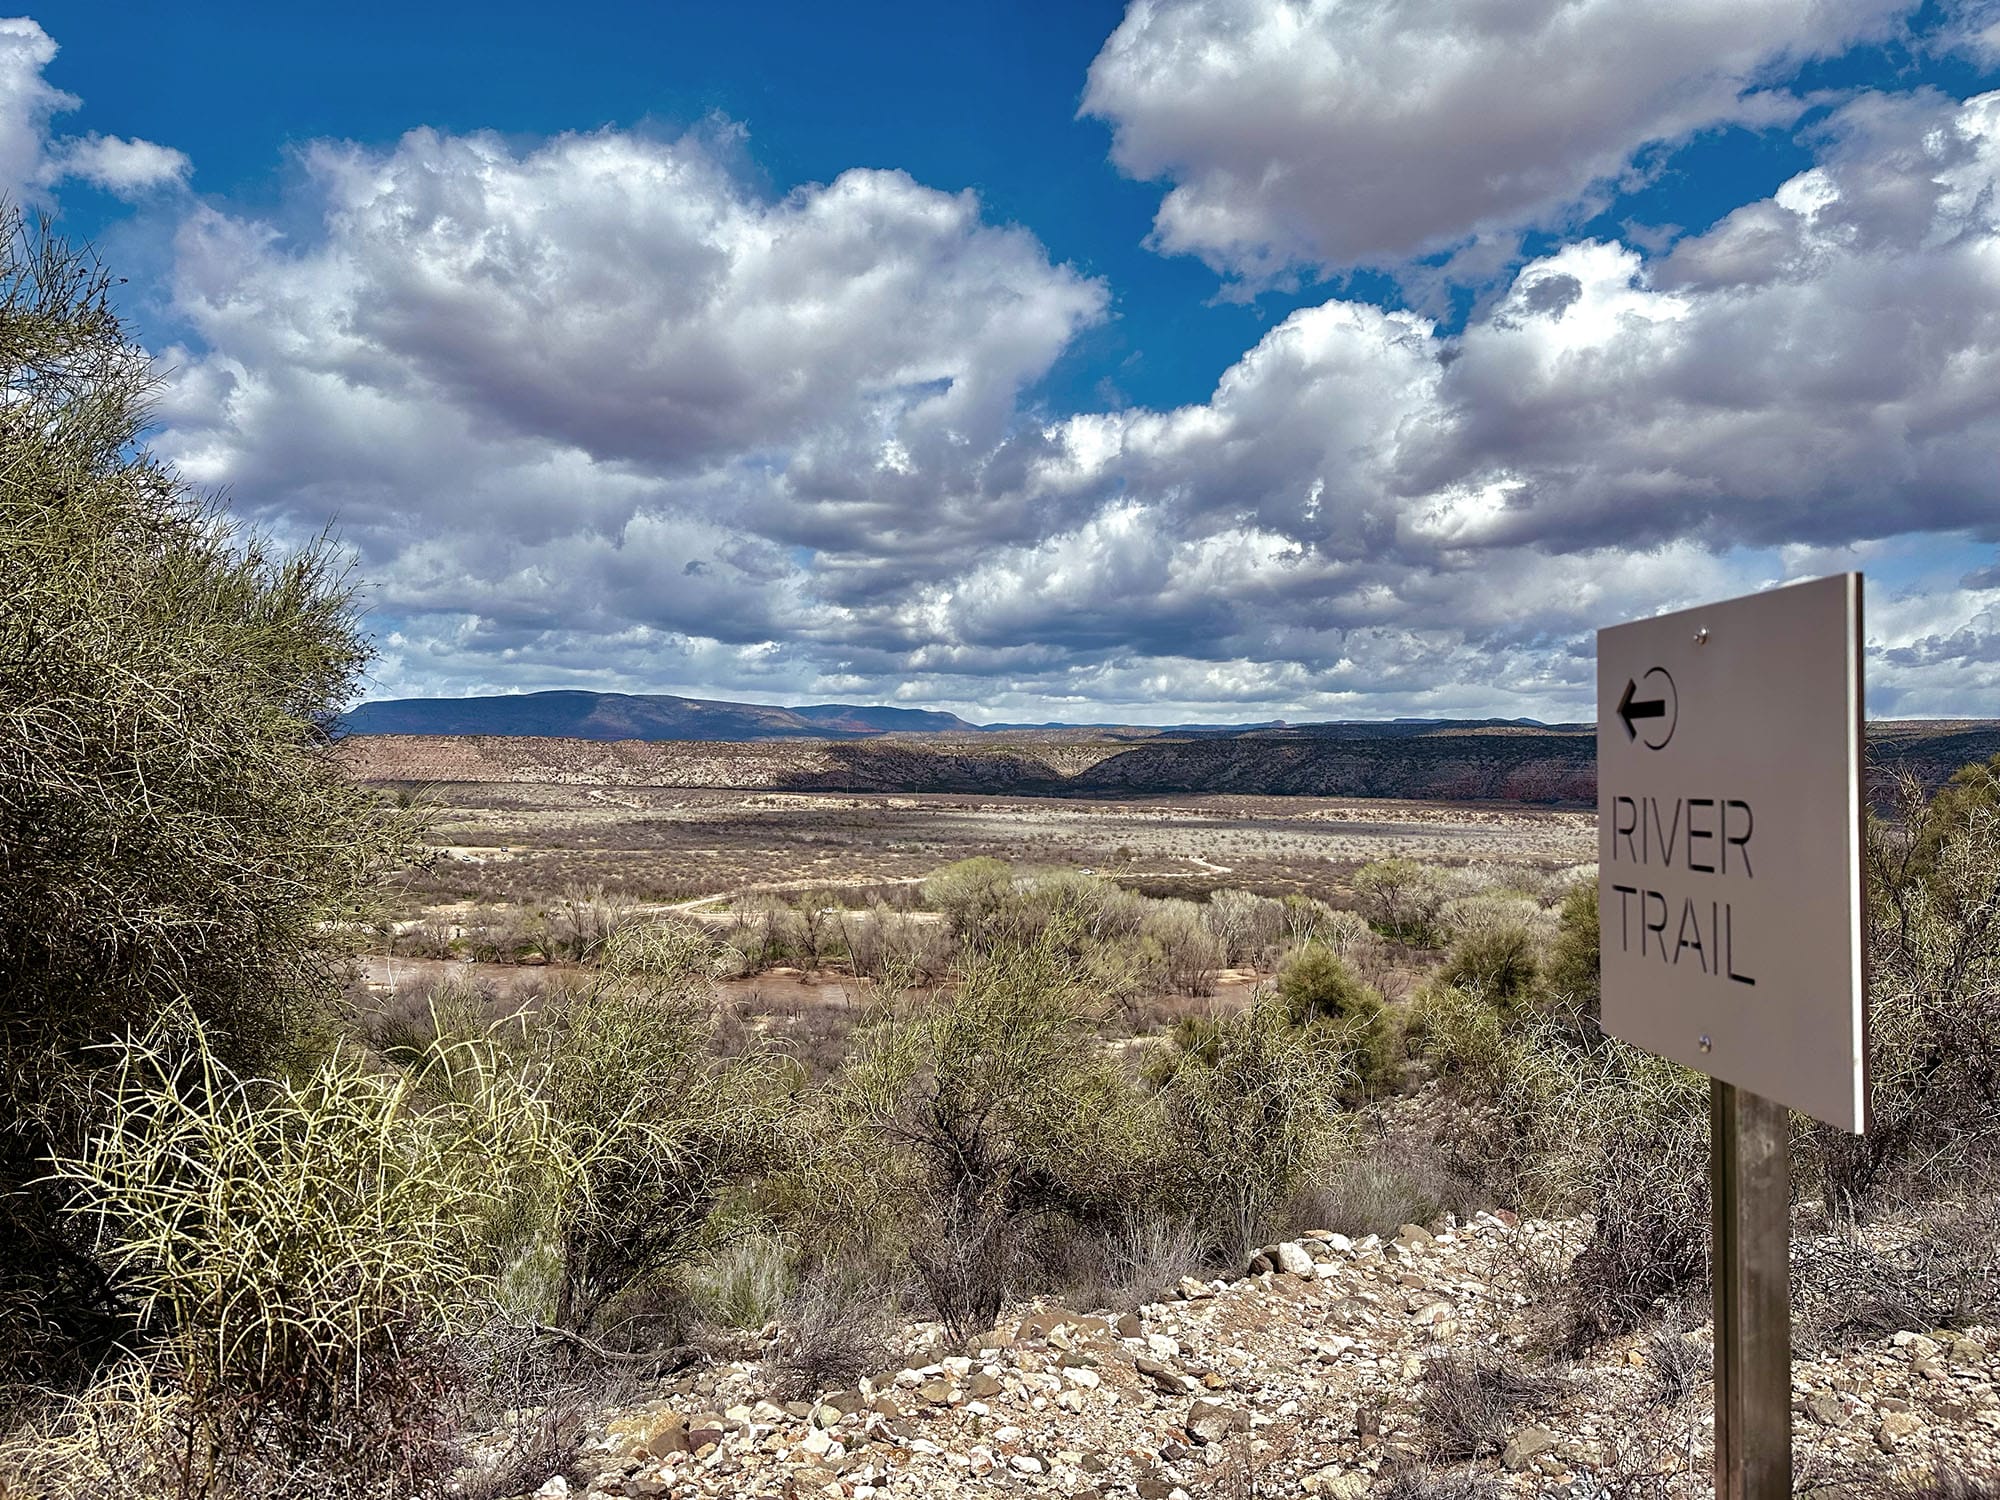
[1729, 842]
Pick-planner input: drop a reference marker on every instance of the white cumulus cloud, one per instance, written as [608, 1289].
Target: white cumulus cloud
[1346, 132]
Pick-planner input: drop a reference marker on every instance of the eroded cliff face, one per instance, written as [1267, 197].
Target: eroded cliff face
[1553, 767]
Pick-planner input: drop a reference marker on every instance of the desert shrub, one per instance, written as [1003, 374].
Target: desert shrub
[1311, 921]
[1938, 1271]
[579, 922]
[509, 935]
[1499, 910]
[1138, 1260]
[1250, 1104]
[1495, 963]
[1248, 925]
[1634, 1148]
[1396, 1181]
[303, 1253]
[1569, 972]
[1569, 1122]
[659, 1126]
[1190, 952]
[1408, 1480]
[1934, 1033]
[1314, 984]
[1677, 1361]
[1402, 899]
[766, 933]
[884, 942]
[984, 1107]
[173, 827]
[427, 937]
[1463, 1039]
[820, 927]
[970, 894]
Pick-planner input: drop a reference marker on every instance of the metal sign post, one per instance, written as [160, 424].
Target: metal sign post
[1730, 910]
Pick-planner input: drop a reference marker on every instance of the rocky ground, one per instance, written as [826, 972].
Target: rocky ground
[1335, 1367]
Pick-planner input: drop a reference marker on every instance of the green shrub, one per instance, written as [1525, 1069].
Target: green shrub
[1570, 972]
[970, 894]
[173, 827]
[1495, 963]
[302, 1253]
[1934, 1001]
[1250, 1106]
[985, 1106]
[1316, 984]
[658, 1126]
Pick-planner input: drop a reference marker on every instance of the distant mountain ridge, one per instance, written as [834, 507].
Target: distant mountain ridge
[568, 713]
[573, 714]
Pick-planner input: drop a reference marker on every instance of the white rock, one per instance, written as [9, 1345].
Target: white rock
[1293, 1260]
[555, 1487]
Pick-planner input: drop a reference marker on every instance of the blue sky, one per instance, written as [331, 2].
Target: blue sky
[1202, 360]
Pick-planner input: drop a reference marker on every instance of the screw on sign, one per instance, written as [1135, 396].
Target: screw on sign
[1729, 859]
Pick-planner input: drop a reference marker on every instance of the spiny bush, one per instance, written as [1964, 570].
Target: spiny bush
[970, 894]
[1495, 963]
[982, 1107]
[172, 826]
[1402, 899]
[1250, 1106]
[1470, 1403]
[1934, 1034]
[832, 1330]
[658, 1126]
[303, 1253]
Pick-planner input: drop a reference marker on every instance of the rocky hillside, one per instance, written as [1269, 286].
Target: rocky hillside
[1555, 766]
[1333, 1367]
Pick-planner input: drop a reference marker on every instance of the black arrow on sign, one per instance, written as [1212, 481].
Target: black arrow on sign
[1651, 708]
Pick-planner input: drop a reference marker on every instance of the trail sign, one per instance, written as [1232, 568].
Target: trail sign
[1730, 921]
[1729, 842]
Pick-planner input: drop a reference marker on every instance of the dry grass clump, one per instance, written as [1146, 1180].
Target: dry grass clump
[831, 1332]
[1470, 1404]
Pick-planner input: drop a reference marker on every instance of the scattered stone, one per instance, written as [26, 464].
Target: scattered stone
[1212, 1421]
[1527, 1445]
[1896, 1426]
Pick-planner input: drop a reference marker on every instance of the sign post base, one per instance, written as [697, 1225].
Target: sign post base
[1750, 1160]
